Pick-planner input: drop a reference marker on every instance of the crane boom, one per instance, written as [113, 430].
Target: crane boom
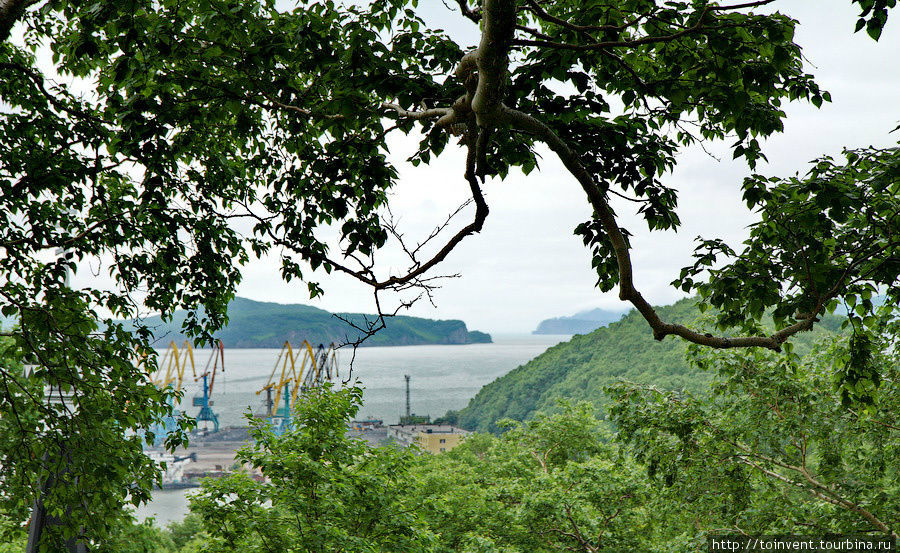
[296, 370]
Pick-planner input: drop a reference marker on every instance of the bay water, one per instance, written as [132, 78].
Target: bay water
[442, 377]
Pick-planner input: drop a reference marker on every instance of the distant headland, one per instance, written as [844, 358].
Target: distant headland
[255, 324]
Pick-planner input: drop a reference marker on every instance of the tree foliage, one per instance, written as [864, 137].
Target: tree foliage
[549, 485]
[552, 484]
[792, 447]
[325, 491]
[833, 229]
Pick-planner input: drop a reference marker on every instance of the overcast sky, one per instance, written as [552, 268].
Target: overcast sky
[526, 265]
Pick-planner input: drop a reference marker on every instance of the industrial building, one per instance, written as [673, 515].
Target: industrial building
[433, 438]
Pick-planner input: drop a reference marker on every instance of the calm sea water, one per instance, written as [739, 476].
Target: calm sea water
[441, 378]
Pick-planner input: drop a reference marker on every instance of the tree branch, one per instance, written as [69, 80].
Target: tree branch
[481, 213]
[543, 14]
[468, 12]
[627, 291]
[820, 490]
[493, 60]
[38, 81]
[417, 115]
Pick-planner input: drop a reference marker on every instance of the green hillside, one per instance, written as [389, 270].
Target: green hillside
[254, 324]
[583, 366]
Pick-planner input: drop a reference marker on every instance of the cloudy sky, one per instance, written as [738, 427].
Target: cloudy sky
[526, 265]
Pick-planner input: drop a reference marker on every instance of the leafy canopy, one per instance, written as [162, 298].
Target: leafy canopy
[325, 491]
[782, 442]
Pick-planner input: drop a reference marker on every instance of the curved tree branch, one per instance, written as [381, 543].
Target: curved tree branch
[698, 27]
[627, 291]
[38, 81]
[481, 213]
[486, 102]
[541, 13]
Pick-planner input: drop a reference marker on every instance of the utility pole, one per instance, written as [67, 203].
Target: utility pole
[406, 376]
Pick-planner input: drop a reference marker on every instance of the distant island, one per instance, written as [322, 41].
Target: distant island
[254, 324]
[579, 323]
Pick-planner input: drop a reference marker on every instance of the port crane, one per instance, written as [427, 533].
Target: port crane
[170, 372]
[202, 400]
[297, 370]
[324, 367]
[170, 369]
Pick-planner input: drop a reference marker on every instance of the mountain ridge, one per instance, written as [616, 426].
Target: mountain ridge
[254, 324]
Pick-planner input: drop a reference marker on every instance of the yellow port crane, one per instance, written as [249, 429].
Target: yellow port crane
[172, 366]
[169, 372]
[297, 370]
[291, 364]
[170, 369]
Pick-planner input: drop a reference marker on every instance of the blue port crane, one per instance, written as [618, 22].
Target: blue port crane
[203, 399]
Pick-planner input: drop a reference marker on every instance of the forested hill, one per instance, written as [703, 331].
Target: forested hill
[254, 324]
[583, 366]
